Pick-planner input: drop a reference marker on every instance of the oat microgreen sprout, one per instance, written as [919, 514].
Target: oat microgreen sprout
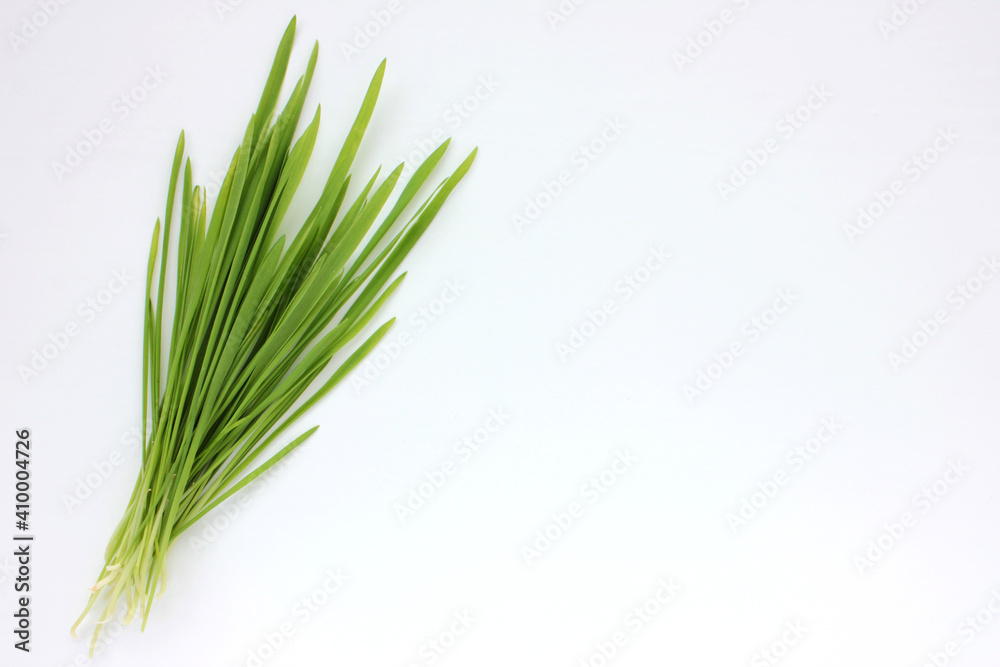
[255, 320]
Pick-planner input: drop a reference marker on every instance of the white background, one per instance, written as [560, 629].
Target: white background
[687, 126]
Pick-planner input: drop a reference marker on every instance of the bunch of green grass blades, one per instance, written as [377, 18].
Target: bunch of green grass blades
[254, 324]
